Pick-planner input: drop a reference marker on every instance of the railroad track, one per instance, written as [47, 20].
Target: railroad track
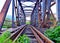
[12, 30]
[35, 35]
[42, 38]
[16, 34]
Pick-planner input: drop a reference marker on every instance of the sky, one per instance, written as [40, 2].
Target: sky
[27, 18]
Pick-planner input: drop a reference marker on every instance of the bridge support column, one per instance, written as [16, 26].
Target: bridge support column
[13, 24]
[43, 10]
[58, 9]
[39, 13]
[48, 9]
[34, 19]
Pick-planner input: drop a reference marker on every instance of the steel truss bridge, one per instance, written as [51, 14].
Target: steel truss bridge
[40, 14]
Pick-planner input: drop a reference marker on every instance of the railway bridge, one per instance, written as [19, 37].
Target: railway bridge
[41, 18]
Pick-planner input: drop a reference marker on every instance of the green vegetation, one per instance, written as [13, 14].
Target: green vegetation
[27, 22]
[23, 39]
[4, 36]
[51, 18]
[7, 24]
[9, 41]
[53, 34]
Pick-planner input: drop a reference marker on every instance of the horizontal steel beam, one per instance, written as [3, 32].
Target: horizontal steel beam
[28, 6]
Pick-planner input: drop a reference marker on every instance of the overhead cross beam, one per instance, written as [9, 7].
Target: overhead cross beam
[29, 0]
[28, 6]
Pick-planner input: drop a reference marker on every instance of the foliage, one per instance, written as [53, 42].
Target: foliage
[23, 39]
[27, 22]
[9, 41]
[53, 34]
[7, 24]
[4, 36]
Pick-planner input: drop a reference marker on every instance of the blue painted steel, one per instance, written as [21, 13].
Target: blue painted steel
[34, 19]
[33, 12]
[13, 24]
[58, 9]
[48, 8]
[18, 14]
[36, 9]
[29, 0]
[28, 6]
[43, 9]
[36, 16]
[28, 10]
[22, 10]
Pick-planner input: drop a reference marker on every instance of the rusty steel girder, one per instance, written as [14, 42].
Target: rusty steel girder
[4, 12]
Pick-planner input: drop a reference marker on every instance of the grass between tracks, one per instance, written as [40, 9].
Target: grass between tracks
[27, 22]
[21, 39]
[4, 36]
[53, 34]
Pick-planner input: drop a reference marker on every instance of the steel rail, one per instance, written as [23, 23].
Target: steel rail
[39, 40]
[15, 34]
[47, 40]
[38, 35]
[18, 35]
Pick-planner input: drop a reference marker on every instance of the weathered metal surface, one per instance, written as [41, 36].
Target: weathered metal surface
[33, 21]
[48, 9]
[39, 40]
[58, 9]
[13, 4]
[39, 12]
[4, 12]
[22, 11]
[31, 32]
[46, 40]
[16, 34]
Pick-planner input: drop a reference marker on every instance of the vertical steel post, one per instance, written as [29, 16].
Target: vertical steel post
[19, 15]
[39, 12]
[13, 24]
[36, 12]
[48, 9]
[16, 12]
[43, 10]
[34, 19]
[31, 20]
[58, 9]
